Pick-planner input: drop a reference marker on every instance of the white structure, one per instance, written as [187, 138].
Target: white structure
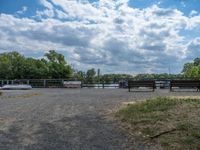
[16, 87]
[72, 84]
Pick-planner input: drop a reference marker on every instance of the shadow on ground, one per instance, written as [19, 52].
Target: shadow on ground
[82, 132]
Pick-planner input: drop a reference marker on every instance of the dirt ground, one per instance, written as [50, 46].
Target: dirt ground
[67, 119]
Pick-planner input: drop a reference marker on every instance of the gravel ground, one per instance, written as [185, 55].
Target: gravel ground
[67, 119]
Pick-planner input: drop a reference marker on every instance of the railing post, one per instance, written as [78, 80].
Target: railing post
[62, 81]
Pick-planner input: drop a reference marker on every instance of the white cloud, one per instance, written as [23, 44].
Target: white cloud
[46, 4]
[23, 10]
[193, 22]
[106, 34]
[193, 13]
[193, 49]
[48, 11]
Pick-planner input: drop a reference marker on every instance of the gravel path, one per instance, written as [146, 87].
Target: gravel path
[66, 119]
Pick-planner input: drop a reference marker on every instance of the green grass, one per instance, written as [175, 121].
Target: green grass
[172, 123]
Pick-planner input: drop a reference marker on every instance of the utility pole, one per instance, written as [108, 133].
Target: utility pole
[169, 69]
[98, 73]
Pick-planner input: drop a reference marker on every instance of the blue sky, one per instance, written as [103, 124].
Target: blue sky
[117, 36]
[185, 6]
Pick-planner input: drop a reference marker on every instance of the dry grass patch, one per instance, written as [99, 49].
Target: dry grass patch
[170, 122]
[28, 95]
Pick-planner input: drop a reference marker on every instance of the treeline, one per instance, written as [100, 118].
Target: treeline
[91, 76]
[13, 65]
[190, 71]
[159, 76]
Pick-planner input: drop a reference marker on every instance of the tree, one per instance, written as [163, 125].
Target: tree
[80, 75]
[36, 69]
[5, 67]
[57, 65]
[192, 70]
[196, 61]
[13, 65]
[187, 66]
[90, 75]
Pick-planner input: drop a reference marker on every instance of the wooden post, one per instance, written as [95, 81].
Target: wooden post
[170, 88]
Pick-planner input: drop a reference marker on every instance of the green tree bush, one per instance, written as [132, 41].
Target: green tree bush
[13, 65]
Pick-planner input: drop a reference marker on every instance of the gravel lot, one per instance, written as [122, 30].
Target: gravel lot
[66, 119]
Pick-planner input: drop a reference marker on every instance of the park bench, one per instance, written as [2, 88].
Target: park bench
[141, 83]
[185, 84]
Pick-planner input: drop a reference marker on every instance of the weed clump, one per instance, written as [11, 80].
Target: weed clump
[172, 123]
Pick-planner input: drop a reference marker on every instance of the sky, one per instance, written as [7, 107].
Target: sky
[116, 36]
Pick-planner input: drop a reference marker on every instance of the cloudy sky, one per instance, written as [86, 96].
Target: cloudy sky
[117, 36]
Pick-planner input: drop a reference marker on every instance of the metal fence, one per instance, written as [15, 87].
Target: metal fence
[36, 83]
[100, 85]
[59, 83]
[54, 83]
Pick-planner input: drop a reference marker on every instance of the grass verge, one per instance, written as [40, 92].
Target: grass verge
[170, 123]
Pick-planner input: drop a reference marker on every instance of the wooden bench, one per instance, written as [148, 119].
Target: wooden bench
[185, 84]
[141, 83]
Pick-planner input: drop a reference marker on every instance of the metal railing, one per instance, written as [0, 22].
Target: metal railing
[59, 83]
[99, 85]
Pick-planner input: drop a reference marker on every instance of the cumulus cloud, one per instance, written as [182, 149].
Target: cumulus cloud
[109, 35]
